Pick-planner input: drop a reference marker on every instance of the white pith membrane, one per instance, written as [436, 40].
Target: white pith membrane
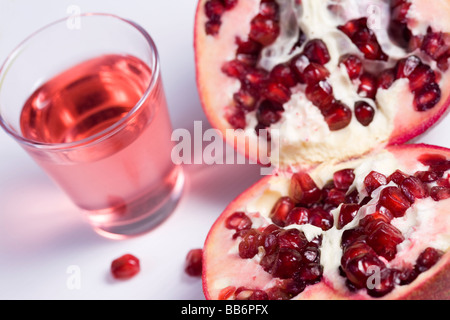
[425, 224]
[302, 135]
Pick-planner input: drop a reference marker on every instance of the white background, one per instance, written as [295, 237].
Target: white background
[42, 234]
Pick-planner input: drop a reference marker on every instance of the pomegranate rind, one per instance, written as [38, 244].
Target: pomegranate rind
[223, 268]
[212, 51]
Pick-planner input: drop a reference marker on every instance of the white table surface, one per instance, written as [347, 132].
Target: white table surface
[42, 234]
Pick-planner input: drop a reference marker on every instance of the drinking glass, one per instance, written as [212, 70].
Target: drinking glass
[84, 97]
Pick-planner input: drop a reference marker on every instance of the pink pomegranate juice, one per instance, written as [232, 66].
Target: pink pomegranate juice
[118, 174]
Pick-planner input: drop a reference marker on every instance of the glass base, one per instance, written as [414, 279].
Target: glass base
[147, 212]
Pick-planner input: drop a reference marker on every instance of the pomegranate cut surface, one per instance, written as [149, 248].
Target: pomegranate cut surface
[366, 228]
[343, 81]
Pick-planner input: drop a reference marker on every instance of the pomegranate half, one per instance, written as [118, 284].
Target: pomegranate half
[375, 227]
[322, 79]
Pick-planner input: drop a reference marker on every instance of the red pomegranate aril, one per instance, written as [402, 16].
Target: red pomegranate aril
[212, 27]
[427, 259]
[347, 214]
[435, 44]
[427, 176]
[264, 30]
[400, 11]
[370, 222]
[444, 182]
[335, 197]
[439, 193]
[298, 65]
[384, 240]
[368, 86]
[422, 76]
[248, 47]
[245, 100]
[283, 73]
[248, 247]
[280, 211]
[298, 215]
[238, 221]
[385, 284]
[321, 218]
[193, 263]
[237, 119]
[413, 189]
[311, 254]
[360, 268]
[286, 263]
[230, 4]
[310, 273]
[352, 196]
[256, 78]
[406, 66]
[320, 94]
[352, 26]
[364, 113]
[125, 267]
[373, 181]
[355, 249]
[353, 64]
[316, 51]
[292, 238]
[314, 73]
[303, 189]
[269, 10]
[277, 92]
[344, 178]
[386, 78]
[351, 236]
[393, 199]
[428, 97]
[214, 9]
[268, 112]
[226, 293]
[250, 294]
[397, 177]
[338, 116]
[235, 69]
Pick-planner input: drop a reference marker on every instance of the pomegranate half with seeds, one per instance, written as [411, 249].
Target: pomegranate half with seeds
[368, 228]
[322, 79]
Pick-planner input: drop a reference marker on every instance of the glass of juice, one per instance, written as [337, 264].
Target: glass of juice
[84, 97]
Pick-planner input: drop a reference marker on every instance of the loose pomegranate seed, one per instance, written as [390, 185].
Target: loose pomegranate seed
[268, 112]
[353, 65]
[238, 221]
[428, 97]
[250, 243]
[384, 240]
[314, 73]
[364, 113]
[321, 218]
[368, 86]
[298, 215]
[386, 78]
[277, 92]
[422, 76]
[397, 177]
[393, 199]
[344, 178]
[373, 181]
[280, 210]
[347, 214]
[264, 30]
[303, 189]
[413, 189]
[214, 9]
[237, 119]
[245, 100]
[427, 259]
[440, 193]
[316, 51]
[337, 116]
[283, 73]
[193, 265]
[292, 238]
[320, 94]
[125, 267]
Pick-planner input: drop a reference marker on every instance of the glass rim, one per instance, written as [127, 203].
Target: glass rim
[105, 133]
